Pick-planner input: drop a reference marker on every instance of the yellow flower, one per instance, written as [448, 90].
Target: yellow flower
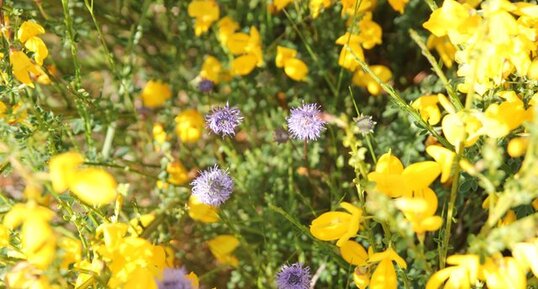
[394, 181]
[384, 276]
[370, 32]
[38, 47]
[139, 224]
[28, 30]
[518, 146]
[155, 93]
[526, 254]
[293, 67]
[349, 6]
[96, 266]
[354, 253]
[398, 5]
[335, 225]
[22, 67]
[533, 70]
[248, 47]
[212, 69]
[508, 218]
[72, 251]
[202, 212]
[4, 236]
[444, 157]
[113, 234]
[419, 211]
[177, 174]
[284, 54]
[281, 4]
[94, 186]
[501, 119]
[450, 16]
[38, 241]
[387, 175]
[63, 168]
[26, 276]
[462, 127]
[316, 6]
[136, 264]
[227, 26]
[504, 272]
[243, 64]
[189, 126]
[296, 69]
[361, 277]
[159, 134]
[363, 79]
[222, 248]
[427, 106]
[351, 51]
[463, 274]
[205, 13]
[444, 48]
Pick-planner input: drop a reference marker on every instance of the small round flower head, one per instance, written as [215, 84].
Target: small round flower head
[205, 85]
[305, 123]
[365, 124]
[224, 120]
[293, 276]
[174, 279]
[213, 186]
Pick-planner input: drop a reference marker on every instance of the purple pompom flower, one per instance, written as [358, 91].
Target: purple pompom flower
[224, 120]
[213, 186]
[305, 123]
[175, 279]
[293, 276]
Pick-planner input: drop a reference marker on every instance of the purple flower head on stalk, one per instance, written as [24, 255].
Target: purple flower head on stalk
[213, 186]
[224, 120]
[305, 123]
[175, 279]
[293, 276]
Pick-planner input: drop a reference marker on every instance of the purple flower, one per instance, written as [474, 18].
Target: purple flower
[205, 85]
[305, 122]
[293, 276]
[175, 279]
[224, 120]
[213, 186]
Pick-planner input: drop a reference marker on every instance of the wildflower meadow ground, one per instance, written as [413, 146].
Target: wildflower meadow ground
[271, 144]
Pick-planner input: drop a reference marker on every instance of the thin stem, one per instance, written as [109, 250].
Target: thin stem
[431, 3]
[399, 101]
[313, 55]
[108, 140]
[450, 211]
[68, 21]
[125, 168]
[435, 65]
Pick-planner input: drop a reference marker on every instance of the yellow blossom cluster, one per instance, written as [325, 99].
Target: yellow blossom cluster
[24, 69]
[492, 42]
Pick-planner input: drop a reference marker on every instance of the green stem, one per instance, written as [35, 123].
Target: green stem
[313, 55]
[435, 65]
[399, 101]
[450, 211]
[68, 22]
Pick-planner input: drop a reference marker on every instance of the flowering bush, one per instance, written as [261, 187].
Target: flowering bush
[288, 144]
